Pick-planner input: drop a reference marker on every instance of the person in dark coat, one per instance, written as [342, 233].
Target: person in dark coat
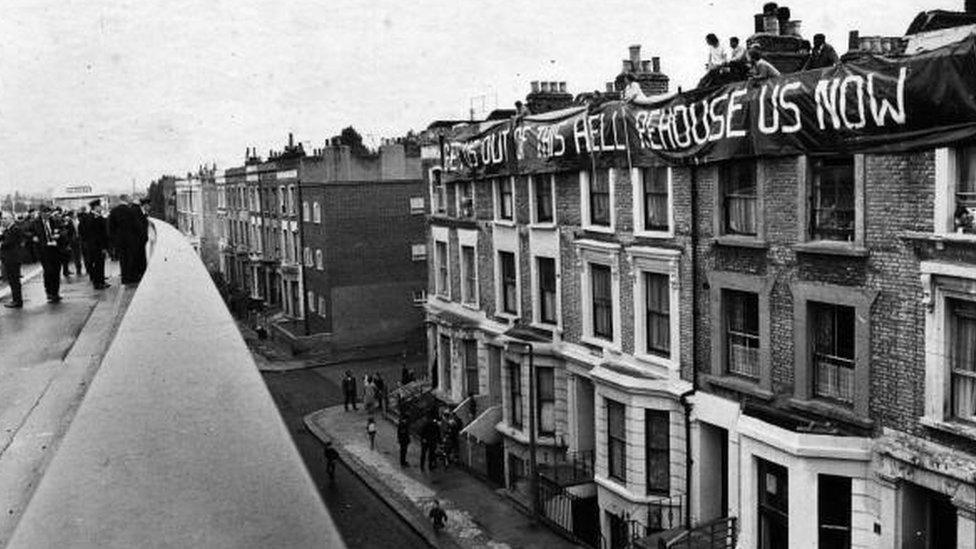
[142, 223]
[403, 438]
[349, 391]
[93, 235]
[430, 435]
[13, 251]
[69, 243]
[49, 234]
[124, 231]
[72, 218]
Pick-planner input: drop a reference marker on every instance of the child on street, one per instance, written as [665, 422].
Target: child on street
[371, 431]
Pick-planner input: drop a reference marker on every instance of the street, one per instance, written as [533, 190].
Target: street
[363, 519]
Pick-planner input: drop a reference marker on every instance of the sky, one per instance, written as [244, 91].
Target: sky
[116, 93]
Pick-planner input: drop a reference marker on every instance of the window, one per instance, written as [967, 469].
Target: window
[774, 510]
[546, 400]
[419, 297]
[742, 333]
[832, 338]
[307, 257]
[599, 198]
[416, 205]
[737, 180]
[546, 268]
[317, 211]
[962, 348]
[657, 443]
[503, 205]
[834, 511]
[832, 199]
[441, 258]
[965, 195]
[509, 282]
[418, 252]
[465, 198]
[437, 192]
[616, 441]
[321, 309]
[469, 276]
[654, 192]
[281, 200]
[602, 302]
[515, 392]
[471, 366]
[657, 310]
[305, 215]
[310, 297]
[320, 262]
[543, 198]
[291, 199]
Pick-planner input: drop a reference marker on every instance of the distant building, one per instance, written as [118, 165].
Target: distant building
[196, 208]
[75, 196]
[329, 246]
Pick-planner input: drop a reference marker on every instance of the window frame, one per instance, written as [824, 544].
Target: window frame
[320, 259]
[442, 276]
[659, 261]
[534, 200]
[827, 502]
[861, 300]
[498, 184]
[947, 160]
[469, 368]
[663, 454]
[720, 218]
[586, 205]
[516, 411]
[418, 252]
[459, 199]
[438, 191]
[317, 212]
[606, 254]
[637, 177]
[615, 471]
[805, 242]
[540, 291]
[469, 239]
[503, 283]
[540, 402]
[719, 282]
[818, 311]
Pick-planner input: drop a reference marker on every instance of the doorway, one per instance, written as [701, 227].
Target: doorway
[774, 511]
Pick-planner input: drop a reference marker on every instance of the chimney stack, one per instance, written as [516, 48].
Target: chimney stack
[854, 40]
[656, 64]
[635, 56]
[562, 87]
[554, 87]
[535, 86]
[970, 6]
[291, 142]
[545, 87]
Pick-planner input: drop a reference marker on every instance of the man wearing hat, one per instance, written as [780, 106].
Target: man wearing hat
[124, 234]
[12, 252]
[93, 233]
[49, 236]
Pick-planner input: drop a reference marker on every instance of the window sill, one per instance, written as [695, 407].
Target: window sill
[739, 385]
[471, 306]
[655, 360]
[952, 427]
[832, 411]
[505, 222]
[598, 229]
[600, 342]
[740, 241]
[507, 317]
[939, 239]
[826, 247]
[660, 235]
[548, 226]
[554, 328]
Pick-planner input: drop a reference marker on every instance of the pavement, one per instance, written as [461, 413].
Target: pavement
[479, 516]
[48, 355]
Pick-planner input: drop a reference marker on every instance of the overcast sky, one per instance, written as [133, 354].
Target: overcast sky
[107, 92]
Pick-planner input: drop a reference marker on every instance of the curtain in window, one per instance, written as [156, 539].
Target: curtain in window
[657, 292]
[602, 301]
[967, 170]
[964, 365]
[600, 198]
[616, 439]
[547, 289]
[547, 400]
[742, 310]
[543, 198]
[656, 198]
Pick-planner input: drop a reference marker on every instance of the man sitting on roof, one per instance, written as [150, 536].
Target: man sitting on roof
[760, 68]
[822, 55]
[634, 94]
[716, 55]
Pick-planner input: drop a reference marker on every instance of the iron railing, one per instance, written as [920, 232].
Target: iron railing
[568, 468]
[721, 533]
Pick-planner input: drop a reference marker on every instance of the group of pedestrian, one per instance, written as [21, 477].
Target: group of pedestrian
[60, 239]
[439, 437]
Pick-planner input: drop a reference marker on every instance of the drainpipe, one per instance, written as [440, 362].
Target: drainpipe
[683, 398]
[301, 264]
[533, 463]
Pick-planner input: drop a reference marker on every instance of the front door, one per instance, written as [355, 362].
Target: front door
[774, 509]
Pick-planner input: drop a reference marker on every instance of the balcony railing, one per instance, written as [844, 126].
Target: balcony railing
[177, 442]
[567, 468]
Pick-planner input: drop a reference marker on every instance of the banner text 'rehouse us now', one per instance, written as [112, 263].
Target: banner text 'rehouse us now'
[874, 104]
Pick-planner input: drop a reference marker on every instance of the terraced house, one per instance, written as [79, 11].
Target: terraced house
[768, 345]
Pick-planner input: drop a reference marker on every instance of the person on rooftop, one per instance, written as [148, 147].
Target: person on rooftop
[760, 68]
[738, 50]
[822, 55]
[716, 54]
[521, 110]
[634, 94]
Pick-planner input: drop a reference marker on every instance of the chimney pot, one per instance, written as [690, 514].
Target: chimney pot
[645, 65]
[656, 64]
[562, 87]
[535, 86]
[635, 56]
[545, 87]
[609, 87]
[626, 66]
[290, 140]
[970, 6]
[554, 87]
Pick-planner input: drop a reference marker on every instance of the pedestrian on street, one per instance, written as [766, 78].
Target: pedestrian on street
[369, 393]
[404, 372]
[403, 438]
[93, 235]
[349, 391]
[124, 230]
[381, 401]
[47, 233]
[430, 435]
[12, 254]
[330, 459]
[371, 432]
[74, 240]
[437, 516]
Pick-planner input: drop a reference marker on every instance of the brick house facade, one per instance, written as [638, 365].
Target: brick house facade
[785, 341]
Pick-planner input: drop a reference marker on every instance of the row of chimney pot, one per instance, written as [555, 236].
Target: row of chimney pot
[548, 87]
[776, 20]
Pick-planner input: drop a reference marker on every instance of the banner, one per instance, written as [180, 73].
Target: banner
[871, 105]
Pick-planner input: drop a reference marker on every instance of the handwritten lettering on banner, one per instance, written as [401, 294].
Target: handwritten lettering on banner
[873, 104]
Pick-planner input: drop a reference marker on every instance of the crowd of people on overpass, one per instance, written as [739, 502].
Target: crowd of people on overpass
[59, 239]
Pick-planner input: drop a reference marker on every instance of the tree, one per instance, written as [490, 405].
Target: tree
[351, 138]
